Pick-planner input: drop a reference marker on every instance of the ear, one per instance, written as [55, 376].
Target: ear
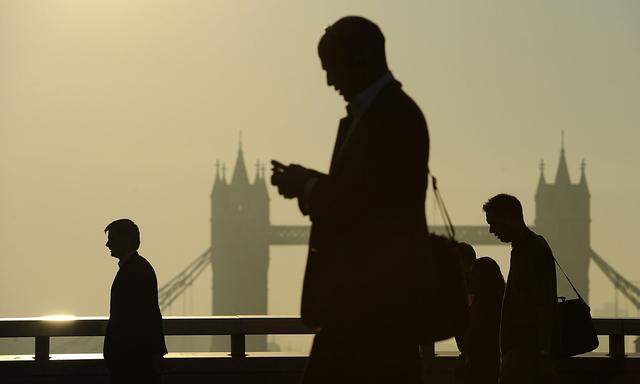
[357, 60]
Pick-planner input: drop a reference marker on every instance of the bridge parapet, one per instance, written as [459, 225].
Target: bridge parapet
[280, 367]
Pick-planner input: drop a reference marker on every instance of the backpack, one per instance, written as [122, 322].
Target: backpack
[442, 310]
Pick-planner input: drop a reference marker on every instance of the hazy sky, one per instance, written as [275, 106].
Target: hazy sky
[120, 108]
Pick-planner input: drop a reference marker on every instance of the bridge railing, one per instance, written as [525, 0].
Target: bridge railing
[236, 327]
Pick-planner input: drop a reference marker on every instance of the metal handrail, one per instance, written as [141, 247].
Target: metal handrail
[237, 327]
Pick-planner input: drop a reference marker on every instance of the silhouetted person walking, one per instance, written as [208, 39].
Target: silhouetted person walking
[528, 307]
[134, 341]
[365, 214]
[482, 348]
[467, 258]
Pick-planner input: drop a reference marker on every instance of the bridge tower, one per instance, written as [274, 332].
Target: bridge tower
[240, 246]
[563, 217]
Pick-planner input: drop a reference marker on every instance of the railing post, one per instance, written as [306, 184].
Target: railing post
[238, 345]
[616, 346]
[42, 348]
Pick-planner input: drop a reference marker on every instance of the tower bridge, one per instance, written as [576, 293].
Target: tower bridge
[241, 233]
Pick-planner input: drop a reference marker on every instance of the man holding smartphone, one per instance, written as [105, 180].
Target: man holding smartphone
[365, 213]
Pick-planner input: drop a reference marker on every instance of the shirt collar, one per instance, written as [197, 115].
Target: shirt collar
[125, 259]
[364, 98]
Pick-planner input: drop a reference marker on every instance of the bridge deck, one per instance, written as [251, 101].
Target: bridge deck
[280, 368]
[238, 367]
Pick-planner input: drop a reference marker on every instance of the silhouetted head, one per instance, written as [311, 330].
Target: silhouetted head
[352, 54]
[505, 217]
[467, 257]
[486, 279]
[123, 237]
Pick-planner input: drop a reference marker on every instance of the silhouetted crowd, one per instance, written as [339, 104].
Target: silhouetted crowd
[378, 290]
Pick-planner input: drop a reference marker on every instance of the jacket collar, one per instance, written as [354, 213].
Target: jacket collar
[356, 131]
[127, 258]
[364, 99]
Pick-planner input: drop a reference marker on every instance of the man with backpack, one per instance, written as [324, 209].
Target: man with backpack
[365, 213]
[528, 307]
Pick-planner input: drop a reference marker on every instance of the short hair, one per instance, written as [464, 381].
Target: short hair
[126, 228]
[357, 36]
[467, 253]
[504, 205]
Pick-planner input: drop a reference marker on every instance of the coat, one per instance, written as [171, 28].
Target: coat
[134, 336]
[365, 214]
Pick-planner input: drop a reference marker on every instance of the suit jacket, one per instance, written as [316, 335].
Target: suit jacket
[365, 213]
[528, 307]
[134, 335]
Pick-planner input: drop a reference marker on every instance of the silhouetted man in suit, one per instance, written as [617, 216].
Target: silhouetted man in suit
[134, 340]
[365, 214]
[528, 307]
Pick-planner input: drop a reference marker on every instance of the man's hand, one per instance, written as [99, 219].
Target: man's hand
[290, 179]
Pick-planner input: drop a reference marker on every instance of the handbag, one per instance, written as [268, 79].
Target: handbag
[576, 333]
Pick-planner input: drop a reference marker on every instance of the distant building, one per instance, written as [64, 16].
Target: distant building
[563, 217]
[241, 234]
[240, 246]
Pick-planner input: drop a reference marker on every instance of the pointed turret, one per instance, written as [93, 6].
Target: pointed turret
[562, 175]
[258, 176]
[541, 181]
[260, 183]
[224, 173]
[583, 177]
[240, 176]
[217, 181]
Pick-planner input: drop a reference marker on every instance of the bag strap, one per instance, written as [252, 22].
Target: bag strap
[568, 279]
[446, 219]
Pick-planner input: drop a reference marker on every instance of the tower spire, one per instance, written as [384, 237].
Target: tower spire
[240, 176]
[260, 183]
[258, 175]
[217, 181]
[583, 174]
[562, 175]
[541, 180]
